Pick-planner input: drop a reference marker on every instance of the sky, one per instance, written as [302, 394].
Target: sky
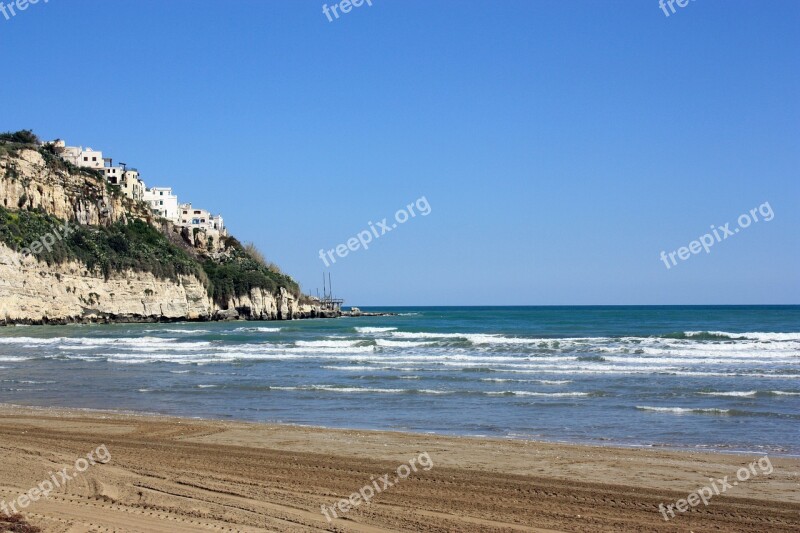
[560, 146]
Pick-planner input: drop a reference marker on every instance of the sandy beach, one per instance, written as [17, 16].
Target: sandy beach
[181, 475]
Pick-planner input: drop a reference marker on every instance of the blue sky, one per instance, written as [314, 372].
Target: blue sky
[561, 145]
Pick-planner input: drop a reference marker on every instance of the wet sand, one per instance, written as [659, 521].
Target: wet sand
[181, 475]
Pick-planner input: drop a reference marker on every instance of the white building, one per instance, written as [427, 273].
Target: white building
[163, 203]
[80, 156]
[127, 180]
[218, 223]
[132, 186]
[191, 217]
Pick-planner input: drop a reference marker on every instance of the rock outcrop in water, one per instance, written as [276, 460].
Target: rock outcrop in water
[34, 290]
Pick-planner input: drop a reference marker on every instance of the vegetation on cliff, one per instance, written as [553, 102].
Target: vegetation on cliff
[134, 245]
[138, 246]
[238, 271]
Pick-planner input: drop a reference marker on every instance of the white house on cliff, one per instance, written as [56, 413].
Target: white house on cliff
[163, 202]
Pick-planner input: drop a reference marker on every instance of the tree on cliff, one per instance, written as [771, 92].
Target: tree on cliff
[21, 137]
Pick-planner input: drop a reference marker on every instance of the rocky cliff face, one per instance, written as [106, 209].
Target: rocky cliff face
[27, 182]
[33, 292]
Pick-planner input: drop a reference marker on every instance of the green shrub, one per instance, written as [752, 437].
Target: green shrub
[20, 137]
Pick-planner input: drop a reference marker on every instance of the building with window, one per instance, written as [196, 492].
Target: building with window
[80, 156]
[163, 203]
[192, 217]
[127, 180]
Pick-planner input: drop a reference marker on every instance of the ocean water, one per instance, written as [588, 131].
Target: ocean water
[723, 378]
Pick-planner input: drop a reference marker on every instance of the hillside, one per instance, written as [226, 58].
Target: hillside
[73, 248]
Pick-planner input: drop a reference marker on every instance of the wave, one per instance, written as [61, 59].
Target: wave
[181, 331]
[731, 393]
[258, 330]
[784, 393]
[331, 388]
[541, 381]
[724, 335]
[374, 330]
[540, 394]
[386, 343]
[357, 390]
[132, 343]
[29, 340]
[328, 344]
[683, 410]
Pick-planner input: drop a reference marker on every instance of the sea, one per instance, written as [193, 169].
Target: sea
[722, 378]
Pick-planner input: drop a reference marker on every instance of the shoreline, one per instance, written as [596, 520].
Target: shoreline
[421, 434]
[184, 474]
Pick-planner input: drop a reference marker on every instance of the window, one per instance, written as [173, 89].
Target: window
[94, 159]
[85, 158]
[161, 193]
[161, 202]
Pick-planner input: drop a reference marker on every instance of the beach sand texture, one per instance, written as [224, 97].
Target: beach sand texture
[181, 475]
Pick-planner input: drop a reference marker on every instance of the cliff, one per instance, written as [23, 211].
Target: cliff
[119, 263]
[28, 181]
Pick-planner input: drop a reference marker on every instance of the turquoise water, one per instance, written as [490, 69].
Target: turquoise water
[725, 378]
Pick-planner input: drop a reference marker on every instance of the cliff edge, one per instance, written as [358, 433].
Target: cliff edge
[74, 249]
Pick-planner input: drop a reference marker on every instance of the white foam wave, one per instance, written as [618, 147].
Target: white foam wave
[752, 335]
[331, 388]
[386, 343]
[682, 410]
[731, 393]
[543, 394]
[374, 330]
[179, 331]
[422, 335]
[29, 340]
[328, 344]
[541, 381]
